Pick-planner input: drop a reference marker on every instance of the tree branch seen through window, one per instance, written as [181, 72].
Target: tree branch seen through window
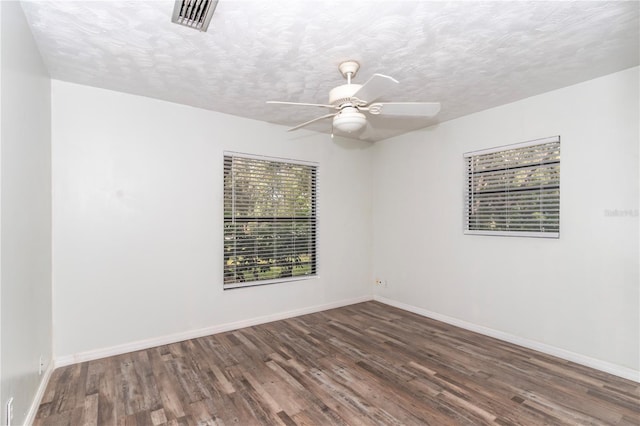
[514, 190]
[269, 220]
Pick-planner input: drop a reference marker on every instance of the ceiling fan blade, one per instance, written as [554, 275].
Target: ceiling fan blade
[301, 104]
[375, 87]
[406, 109]
[368, 132]
[310, 121]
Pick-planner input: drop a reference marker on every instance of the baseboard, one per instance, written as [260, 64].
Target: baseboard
[607, 367]
[192, 334]
[33, 409]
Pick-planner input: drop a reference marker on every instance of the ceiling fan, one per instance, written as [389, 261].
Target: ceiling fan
[350, 102]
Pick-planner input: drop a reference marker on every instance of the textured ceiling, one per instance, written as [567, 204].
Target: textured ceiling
[469, 56]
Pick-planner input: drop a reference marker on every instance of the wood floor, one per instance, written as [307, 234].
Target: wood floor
[363, 364]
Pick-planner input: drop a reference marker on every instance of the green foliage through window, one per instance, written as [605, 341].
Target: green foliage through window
[514, 190]
[269, 220]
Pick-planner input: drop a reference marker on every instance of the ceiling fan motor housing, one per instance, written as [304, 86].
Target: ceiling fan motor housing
[349, 119]
[344, 93]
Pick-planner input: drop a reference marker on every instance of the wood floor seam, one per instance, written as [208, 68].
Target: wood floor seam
[363, 364]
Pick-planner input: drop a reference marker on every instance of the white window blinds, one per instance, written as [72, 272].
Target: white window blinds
[514, 190]
[270, 220]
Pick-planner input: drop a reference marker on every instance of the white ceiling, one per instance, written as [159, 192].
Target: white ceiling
[469, 56]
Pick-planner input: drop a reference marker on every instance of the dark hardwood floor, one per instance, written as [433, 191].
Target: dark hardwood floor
[358, 365]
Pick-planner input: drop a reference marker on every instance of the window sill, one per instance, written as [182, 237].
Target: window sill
[268, 282]
[555, 235]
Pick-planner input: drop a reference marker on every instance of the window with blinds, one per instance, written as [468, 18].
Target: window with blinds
[514, 190]
[270, 220]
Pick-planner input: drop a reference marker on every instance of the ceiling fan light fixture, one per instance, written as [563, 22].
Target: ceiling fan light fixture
[349, 120]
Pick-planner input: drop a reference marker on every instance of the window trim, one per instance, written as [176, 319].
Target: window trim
[504, 233]
[285, 160]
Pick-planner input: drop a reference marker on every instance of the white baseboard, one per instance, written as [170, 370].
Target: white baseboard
[33, 409]
[192, 334]
[607, 367]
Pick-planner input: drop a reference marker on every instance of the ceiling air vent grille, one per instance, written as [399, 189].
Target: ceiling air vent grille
[194, 13]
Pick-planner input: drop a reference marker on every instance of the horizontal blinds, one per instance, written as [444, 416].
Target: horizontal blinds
[515, 190]
[269, 220]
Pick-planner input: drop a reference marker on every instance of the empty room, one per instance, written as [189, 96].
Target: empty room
[304, 212]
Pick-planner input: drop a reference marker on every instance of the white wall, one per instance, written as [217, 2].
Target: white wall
[25, 210]
[137, 219]
[579, 293]
[137, 211]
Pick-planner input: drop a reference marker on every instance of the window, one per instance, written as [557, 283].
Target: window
[514, 190]
[270, 220]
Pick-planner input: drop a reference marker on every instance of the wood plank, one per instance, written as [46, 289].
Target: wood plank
[362, 364]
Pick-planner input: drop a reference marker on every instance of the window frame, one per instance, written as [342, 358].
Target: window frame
[314, 220]
[468, 199]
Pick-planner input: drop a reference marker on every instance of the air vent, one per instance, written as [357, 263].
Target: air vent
[194, 13]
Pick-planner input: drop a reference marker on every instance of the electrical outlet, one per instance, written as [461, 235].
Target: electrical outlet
[9, 411]
[41, 366]
[380, 282]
